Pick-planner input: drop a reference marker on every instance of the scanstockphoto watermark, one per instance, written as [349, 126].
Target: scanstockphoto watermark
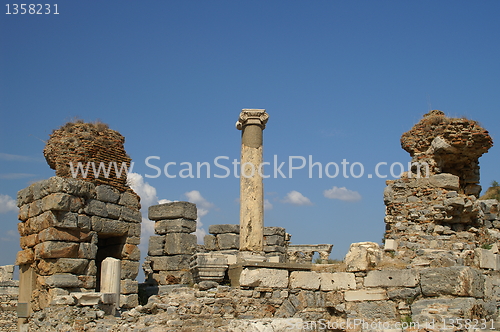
[222, 167]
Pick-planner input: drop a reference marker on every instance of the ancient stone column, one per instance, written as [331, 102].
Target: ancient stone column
[251, 122]
[110, 278]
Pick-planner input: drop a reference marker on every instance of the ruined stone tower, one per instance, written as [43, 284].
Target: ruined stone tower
[438, 207]
[70, 224]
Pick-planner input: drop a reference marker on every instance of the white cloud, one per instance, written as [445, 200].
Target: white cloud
[267, 205]
[203, 207]
[7, 204]
[143, 189]
[10, 235]
[342, 193]
[296, 198]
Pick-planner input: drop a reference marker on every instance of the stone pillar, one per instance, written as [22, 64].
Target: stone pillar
[251, 122]
[110, 278]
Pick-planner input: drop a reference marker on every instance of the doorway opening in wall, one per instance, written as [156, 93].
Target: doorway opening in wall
[108, 246]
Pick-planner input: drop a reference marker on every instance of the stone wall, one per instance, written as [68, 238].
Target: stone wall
[67, 228]
[9, 292]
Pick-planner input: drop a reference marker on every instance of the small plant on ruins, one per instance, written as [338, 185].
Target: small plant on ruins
[493, 191]
[487, 246]
[328, 261]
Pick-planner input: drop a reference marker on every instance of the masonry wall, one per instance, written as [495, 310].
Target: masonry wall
[67, 228]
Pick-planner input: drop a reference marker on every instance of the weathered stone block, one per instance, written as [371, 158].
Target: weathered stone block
[180, 225]
[228, 241]
[62, 265]
[23, 214]
[109, 226]
[486, 259]
[128, 286]
[60, 202]
[372, 294]
[129, 301]
[87, 298]
[26, 256]
[156, 245]
[130, 199]
[88, 282]
[445, 180]
[274, 240]
[56, 249]
[35, 208]
[173, 210]
[180, 243]
[131, 252]
[390, 245]
[170, 263]
[362, 256]
[371, 311]
[427, 310]
[63, 234]
[337, 281]
[107, 194]
[63, 300]
[305, 280]
[134, 229]
[29, 241]
[270, 231]
[130, 269]
[132, 215]
[25, 196]
[224, 228]
[210, 242]
[61, 281]
[84, 222]
[114, 210]
[262, 277]
[96, 208]
[453, 280]
[6, 272]
[392, 278]
[87, 250]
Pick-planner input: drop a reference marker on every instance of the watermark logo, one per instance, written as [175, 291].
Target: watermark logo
[280, 168]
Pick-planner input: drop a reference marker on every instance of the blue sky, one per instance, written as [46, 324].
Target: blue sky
[339, 79]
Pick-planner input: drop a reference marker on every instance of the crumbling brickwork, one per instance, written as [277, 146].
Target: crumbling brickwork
[86, 143]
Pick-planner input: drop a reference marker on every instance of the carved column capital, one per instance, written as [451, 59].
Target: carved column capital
[252, 117]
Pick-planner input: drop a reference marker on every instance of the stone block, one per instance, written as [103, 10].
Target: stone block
[84, 222]
[114, 210]
[453, 280]
[64, 220]
[70, 186]
[390, 245]
[372, 294]
[131, 215]
[173, 210]
[107, 193]
[63, 234]
[170, 263]
[445, 181]
[107, 226]
[269, 324]
[63, 300]
[262, 277]
[60, 202]
[35, 208]
[128, 286]
[487, 259]
[88, 282]
[224, 228]
[29, 241]
[280, 249]
[26, 256]
[129, 269]
[62, 265]
[305, 280]
[87, 250]
[130, 199]
[134, 229]
[210, 242]
[180, 244]
[228, 241]
[362, 256]
[56, 249]
[337, 281]
[179, 225]
[87, 298]
[25, 196]
[61, 281]
[436, 309]
[270, 231]
[372, 311]
[96, 208]
[392, 278]
[129, 300]
[23, 214]
[6, 272]
[131, 252]
[156, 245]
[403, 293]
[274, 240]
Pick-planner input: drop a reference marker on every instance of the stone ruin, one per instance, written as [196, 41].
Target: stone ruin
[439, 264]
[70, 227]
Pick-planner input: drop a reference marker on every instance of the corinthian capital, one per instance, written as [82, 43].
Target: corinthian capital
[252, 117]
